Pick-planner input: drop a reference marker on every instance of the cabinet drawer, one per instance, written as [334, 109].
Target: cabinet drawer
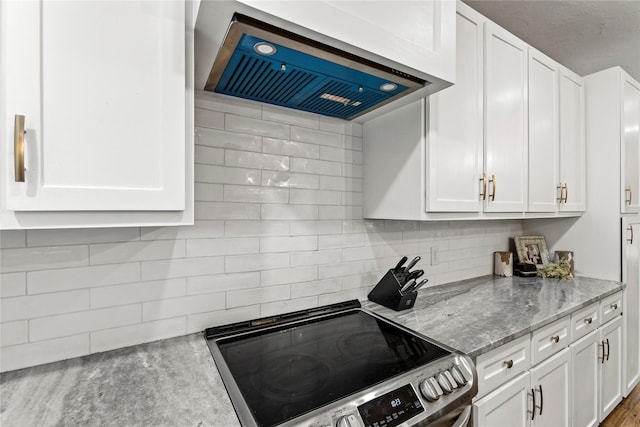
[502, 364]
[550, 339]
[610, 307]
[585, 321]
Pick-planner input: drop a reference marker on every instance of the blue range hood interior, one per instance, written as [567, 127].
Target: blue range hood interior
[292, 78]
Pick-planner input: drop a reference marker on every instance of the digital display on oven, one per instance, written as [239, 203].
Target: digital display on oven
[392, 408]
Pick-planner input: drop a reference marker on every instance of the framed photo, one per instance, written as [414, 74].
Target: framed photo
[532, 250]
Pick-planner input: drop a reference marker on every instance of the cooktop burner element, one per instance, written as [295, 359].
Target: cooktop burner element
[307, 365]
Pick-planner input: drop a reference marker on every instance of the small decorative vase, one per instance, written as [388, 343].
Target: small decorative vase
[503, 264]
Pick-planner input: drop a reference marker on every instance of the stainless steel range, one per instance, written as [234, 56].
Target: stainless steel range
[340, 365]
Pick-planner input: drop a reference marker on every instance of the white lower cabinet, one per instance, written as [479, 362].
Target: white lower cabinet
[567, 373]
[539, 397]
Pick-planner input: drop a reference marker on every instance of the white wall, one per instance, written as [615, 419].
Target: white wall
[278, 228]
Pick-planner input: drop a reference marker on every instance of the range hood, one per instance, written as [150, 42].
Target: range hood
[331, 57]
[261, 62]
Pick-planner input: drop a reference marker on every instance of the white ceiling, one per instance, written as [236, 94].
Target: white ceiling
[584, 35]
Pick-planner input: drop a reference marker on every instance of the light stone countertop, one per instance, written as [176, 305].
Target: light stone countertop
[175, 382]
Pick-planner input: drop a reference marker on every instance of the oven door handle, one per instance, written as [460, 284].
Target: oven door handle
[464, 418]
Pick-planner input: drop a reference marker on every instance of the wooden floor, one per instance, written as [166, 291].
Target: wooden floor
[627, 414]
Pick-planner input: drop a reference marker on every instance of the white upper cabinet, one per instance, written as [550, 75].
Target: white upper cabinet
[505, 113]
[455, 125]
[543, 133]
[103, 90]
[630, 148]
[572, 142]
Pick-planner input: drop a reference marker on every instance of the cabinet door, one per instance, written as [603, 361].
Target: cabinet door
[610, 367]
[102, 89]
[551, 384]
[543, 133]
[585, 355]
[631, 301]
[505, 120]
[510, 405]
[455, 125]
[630, 148]
[572, 141]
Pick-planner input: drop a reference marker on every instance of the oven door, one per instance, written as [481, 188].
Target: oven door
[460, 417]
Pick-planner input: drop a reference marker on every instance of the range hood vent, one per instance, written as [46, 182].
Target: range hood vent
[261, 62]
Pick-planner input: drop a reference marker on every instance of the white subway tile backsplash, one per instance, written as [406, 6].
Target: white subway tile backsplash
[288, 244]
[315, 197]
[249, 159]
[262, 295]
[132, 293]
[243, 193]
[222, 282]
[12, 239]
[124, 336]
[241, 263]
[315, 136]
[13, 284]
[320, 257]
[86, 321]
[181, 267]
[289, 212]
[225, 175]
[228, 104]
[12, 333]
[67, 279]
[36, 353]
[206, 192]
[288, 275]
[208, 155]
[219, 247]
[320, 167]
[221, 210]
[256, 228]
[111, 253]
[32, 306]
[208, 118]
[278, 227]
[290, 148]
[256, 127]
[29, 259]
[174, 307]
[309, 228]
[199, 230]
[291, 180]
[224, 139]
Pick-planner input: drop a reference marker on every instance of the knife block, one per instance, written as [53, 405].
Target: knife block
[387, 292]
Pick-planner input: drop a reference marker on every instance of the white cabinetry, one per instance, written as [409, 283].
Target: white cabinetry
[630, 144]
[610, 367]
[108, 117]
[585, 362]
[507, 406]
[505, 115]
[631, 327]
[572, 142]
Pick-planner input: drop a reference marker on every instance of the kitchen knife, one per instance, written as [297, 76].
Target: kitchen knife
[408, 285]
[400, 263]
[418, 286]
[412, 263]
[414, 275]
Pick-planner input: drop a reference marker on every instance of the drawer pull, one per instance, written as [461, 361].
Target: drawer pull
[555, 339]
[509, 363]
[614, 306]
[588, 320]
[533, 410]
[607, 349]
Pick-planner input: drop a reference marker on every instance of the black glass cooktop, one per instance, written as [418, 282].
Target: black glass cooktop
[290, 370]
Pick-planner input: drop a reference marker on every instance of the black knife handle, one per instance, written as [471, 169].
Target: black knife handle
[400, 263]
[414, 275]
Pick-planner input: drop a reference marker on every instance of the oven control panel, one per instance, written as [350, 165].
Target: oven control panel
[425, 394]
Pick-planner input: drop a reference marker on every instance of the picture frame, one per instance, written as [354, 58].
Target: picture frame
[532, 250]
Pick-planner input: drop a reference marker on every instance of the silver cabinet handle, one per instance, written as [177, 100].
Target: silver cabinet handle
[18, 147]
[588, 320]
[614, 306]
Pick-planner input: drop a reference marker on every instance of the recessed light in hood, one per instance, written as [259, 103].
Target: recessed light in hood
[264, 63]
